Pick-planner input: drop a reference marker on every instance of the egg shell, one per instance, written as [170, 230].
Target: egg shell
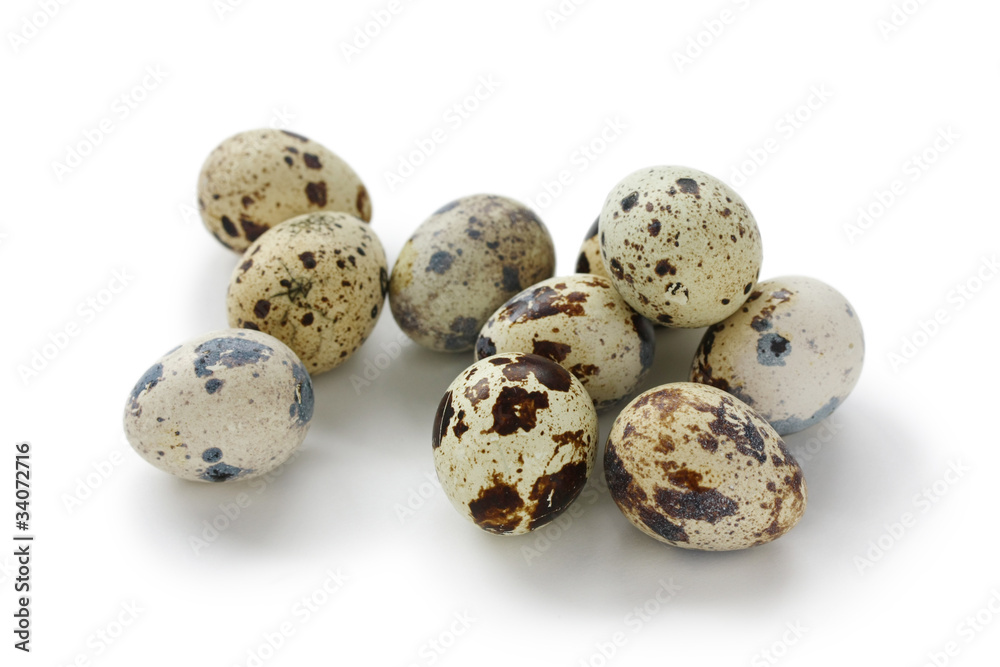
[462, 264]
[590, 260]
[793, 352]
[681, 246]
[256, 179]
[515, 439]
[228, 405]
[581, 323]
[316, 282]
[694, 467]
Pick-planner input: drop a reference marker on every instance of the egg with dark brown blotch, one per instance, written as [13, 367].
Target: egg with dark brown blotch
[589, 259]
[514, 441]
[694, 467]
[581, 323]
[793, 352]
[317, 282]
[461, 264]
[680, 245]
[254, 180]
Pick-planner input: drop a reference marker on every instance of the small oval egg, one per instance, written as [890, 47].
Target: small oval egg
[256, 179]
[461, 264]
[228, 405]
[694, 467]
[681, 246]
[515, 439]
[589, 260]
[582, 323]
[316, 282]
[793, 352]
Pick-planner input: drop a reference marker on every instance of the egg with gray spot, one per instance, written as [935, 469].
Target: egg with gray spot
[461, 264]
[229, 405]
[589, 260]
[680, 246]
[514, 442]
[581, 323]
[257, 179]
[793, 352]
[694, 467]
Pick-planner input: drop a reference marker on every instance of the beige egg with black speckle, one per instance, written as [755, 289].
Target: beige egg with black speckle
[681, 246]
[793, 352]
[256, 179]
[316, 282]
[581, 323]
[515, 439]
[694, 467]
[228, 405]
[589, 259]
[461, 264]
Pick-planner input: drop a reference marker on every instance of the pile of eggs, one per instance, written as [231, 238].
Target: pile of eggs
[697, 464]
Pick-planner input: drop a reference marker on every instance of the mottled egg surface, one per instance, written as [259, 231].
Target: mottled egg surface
[462, 264]
[256, 179]
[793, 352]
[589, 260]
[694, 467]
[681, 246]
[317, 282]
[228, 405]
[582, 323]
[515, 439]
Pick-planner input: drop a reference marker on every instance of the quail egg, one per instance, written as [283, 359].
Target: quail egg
[590, 260]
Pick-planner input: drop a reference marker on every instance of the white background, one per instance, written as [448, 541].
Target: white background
[856, 588]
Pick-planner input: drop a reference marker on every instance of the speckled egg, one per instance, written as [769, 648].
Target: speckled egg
[228, 405]
[317, 282]
[793, 352]
[254, 180]
[582, 323]
[694, 467]
[461, 264]
[515, 439]
[589, 260]
[680, 245]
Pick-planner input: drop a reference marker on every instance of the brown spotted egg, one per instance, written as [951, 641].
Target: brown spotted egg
[254, 180]
[694, 467]
[317, 282]
[582, 323]
[589, 260]
[793, 352]
[461, 264]
[228, 405]
[681, 246]
[515, 439]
